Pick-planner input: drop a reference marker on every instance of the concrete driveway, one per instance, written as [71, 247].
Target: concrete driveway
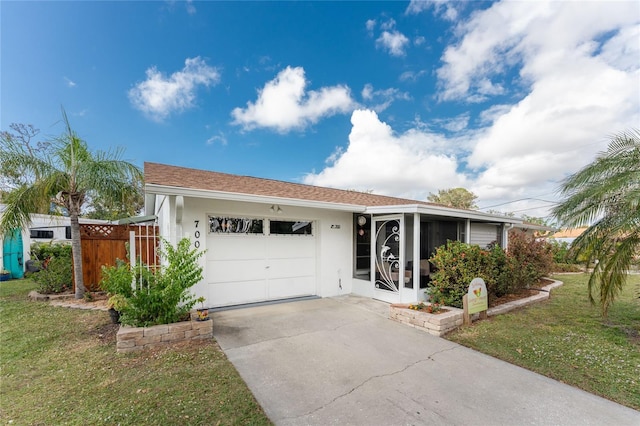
[340, 361]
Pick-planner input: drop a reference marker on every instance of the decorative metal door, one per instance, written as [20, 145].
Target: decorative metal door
[389, 254]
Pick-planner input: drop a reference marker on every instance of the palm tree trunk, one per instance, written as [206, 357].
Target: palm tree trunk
[76, 252]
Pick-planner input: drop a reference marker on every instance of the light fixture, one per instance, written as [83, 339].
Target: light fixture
[275, 209]
[272, 208]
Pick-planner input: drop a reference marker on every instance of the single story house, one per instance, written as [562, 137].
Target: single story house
[269, 240]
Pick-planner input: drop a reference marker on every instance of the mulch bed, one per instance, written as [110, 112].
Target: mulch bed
[522, 294]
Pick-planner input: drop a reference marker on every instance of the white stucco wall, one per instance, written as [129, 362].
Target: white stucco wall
[332, 233]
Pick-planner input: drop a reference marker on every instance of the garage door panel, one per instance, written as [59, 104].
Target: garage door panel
[236, 270]
[285, 268]
[290, 247]
[291, 287]
[252, 268]
[235, 247]
[223, 294]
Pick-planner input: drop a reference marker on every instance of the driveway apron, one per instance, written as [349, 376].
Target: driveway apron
[340, 361]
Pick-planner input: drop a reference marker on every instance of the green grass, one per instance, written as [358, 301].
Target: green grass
[60, 366]
[566, 338]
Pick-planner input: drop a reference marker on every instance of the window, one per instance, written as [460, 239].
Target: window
[67, 232]
[232, 225]
[284, 227]
[362, 226]
[41, 233]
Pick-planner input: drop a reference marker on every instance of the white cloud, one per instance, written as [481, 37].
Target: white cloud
[159, 96]
[283, 104]
[219, 138]
[419, 41]
[580, 87]
[576, 75]
[408, 165]
[191, 9]
[70, 83]
[388, 25]
[370, 25]
[444, 8]
[456, 124]
[381, 99]
[394, 42]
[412, 75]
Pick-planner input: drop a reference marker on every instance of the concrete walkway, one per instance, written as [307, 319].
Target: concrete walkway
[340, 361]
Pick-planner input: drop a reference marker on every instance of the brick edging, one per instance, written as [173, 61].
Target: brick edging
[440, 324]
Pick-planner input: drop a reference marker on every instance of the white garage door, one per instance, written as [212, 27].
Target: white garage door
[254, 268]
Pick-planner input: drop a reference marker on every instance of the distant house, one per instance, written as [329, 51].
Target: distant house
[16, 246]
[269, 240]
[567, 235]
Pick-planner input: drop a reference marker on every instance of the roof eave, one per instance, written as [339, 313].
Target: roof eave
[250, 198]
[443, 211]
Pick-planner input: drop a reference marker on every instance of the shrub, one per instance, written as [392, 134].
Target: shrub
[561, 251]
[567, 267]
[162, 297]
[43, 251]
[454, 265]
[457, 263]
[56, 277]
[534, 259]
[117, 279]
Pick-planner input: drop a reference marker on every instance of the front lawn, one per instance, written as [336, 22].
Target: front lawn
[565, 338]
[59, 366]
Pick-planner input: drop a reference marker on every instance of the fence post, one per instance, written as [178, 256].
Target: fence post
[132, 256]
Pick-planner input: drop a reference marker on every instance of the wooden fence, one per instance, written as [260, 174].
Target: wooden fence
[102, 244]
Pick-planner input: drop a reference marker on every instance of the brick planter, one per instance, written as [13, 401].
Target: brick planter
[436, 324]
[132, 339]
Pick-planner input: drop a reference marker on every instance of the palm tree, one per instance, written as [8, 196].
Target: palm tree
[605, 196]
[66, 174]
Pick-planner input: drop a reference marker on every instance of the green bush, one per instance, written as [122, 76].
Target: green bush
[457, 263]
[43, 251]
[567, 267]
[533, 259]
[561, 251]
[160, 297]
[117, 279]
[56, 277]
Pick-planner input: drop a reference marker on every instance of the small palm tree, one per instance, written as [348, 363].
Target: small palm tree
[605, 195]
[66, 174]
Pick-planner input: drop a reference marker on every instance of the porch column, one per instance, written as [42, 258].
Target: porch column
[467, 231]
[416, 257]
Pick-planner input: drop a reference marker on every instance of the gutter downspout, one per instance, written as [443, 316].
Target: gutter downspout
[505, 235]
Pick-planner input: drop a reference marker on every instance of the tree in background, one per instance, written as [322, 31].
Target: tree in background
[605, 196]
[458, 198]
[67, 174]
[11, 177]
[536, 220]
[109, 209]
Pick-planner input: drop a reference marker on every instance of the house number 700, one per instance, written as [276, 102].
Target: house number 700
[196, 234]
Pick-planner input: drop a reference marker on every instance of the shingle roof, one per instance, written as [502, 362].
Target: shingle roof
[181, 177]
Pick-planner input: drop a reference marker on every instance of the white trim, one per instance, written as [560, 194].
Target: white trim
[441, 211]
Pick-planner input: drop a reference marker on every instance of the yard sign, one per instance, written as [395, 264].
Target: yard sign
[477, 296]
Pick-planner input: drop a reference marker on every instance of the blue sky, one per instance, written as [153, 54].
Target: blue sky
[398, 98]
